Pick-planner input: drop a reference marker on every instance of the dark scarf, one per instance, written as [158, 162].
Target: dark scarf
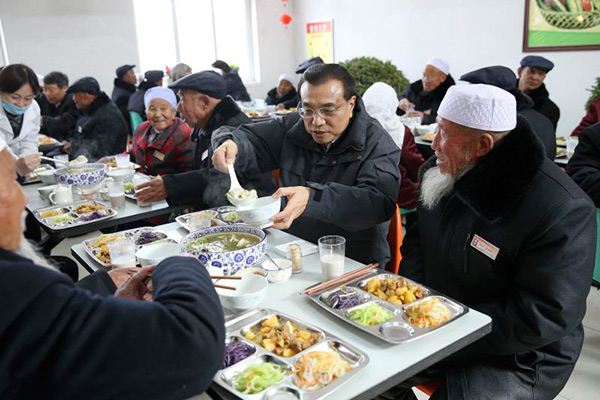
[120, 83]
[224, 111]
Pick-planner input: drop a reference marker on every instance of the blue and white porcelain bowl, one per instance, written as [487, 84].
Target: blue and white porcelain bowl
[233, 261]
[84, 174]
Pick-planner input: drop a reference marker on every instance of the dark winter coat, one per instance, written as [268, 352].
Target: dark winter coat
[354, 184]
[541, 125]
[584, 165]
[535, 289]
[543, 104]
[428, 103]
[291, 99]
[204, 186]
[120, 96]
[235, 86]
[100, 130]
[410, 161]
[136, 100]
[62, 342]
[591, 117]
[169, 153]
[59, 120]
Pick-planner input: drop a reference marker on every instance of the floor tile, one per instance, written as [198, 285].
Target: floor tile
[584, 383]
[592, 315]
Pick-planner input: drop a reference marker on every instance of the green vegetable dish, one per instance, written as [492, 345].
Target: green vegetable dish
[370, 315]
[230, 217]
[223, 242]
[258, 378]
[62, 218]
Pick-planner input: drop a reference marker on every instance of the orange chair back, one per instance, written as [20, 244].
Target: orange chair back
[430, 387]
[394, 238]
[276, 175]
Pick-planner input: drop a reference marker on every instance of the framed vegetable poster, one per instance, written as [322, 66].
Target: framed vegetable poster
[561, 25]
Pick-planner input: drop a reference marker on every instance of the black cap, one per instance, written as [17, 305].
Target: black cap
[122, 70]
[154, 75]
[209, 83]
[304, 65]
[87, 85]
[537, 62]
[499, 76]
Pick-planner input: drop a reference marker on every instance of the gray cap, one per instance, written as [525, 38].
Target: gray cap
[209, 83]
[498, 76]
[306, 64]
[154, 75]
[537, 62]
[122, 70]
[86, 85]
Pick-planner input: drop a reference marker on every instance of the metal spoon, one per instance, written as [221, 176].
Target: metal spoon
[274, 263]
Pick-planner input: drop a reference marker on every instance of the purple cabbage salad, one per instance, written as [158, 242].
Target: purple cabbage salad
[343, 298]
[93, 216]
[236, 352]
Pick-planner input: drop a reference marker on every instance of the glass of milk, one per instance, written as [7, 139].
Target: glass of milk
[332, 250]
[122, 253]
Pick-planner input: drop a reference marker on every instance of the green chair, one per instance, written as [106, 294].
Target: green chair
[597, 268]
[135, 119]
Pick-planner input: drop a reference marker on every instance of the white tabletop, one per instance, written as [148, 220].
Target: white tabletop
[389, 364]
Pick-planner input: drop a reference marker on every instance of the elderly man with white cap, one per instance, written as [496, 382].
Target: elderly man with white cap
[506, 232]
[423, 97]
[283, 96]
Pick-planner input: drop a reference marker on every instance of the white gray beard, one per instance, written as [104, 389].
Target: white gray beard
[28, 250]
[435, 186]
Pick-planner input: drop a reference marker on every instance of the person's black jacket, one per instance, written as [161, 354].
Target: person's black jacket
[100, 130]
[543, 104]
[535, 287]
[584, 165]
[354, 185]
[62, 342]
[541, 125]
[291, 99]
[204, 186]
[120, 96]
[235, 86]
[429, 102]
[136, 100]
[59, 120]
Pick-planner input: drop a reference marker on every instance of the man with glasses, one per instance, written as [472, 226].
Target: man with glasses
[338, 166]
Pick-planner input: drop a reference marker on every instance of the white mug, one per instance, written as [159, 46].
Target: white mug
[61, 195]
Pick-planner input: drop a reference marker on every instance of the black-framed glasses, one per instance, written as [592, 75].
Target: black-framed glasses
[323, 112]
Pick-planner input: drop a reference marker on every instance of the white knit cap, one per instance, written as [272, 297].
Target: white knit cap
[483, 107]
[286, 77]
[2, 144]
[439, 64]
[159, 92]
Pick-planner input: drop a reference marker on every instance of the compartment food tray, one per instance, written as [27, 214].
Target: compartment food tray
[70, 209]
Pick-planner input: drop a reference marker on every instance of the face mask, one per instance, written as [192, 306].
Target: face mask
[15, 110]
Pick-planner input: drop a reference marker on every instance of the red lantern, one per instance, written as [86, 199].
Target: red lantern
[285, 19]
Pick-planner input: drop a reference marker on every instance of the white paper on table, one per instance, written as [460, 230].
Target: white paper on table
[307, 248]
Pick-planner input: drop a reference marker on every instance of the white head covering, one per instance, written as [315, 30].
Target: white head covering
[381, 103]
[159, 92]
[439, 64]
[483, 107]
[288, 78]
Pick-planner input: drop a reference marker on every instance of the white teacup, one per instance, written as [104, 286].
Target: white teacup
[62, 194]
[45, 191]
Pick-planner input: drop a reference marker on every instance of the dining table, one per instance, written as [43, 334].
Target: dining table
[388, 365]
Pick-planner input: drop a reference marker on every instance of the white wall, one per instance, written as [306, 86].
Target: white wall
[469, 34]
[79, 38]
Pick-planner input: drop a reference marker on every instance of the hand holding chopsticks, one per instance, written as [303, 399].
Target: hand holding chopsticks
[346, 278]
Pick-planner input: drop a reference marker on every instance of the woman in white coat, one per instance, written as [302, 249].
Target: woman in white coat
[20, 115]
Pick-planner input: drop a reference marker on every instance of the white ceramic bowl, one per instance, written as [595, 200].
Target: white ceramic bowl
[152, 254]
[45, 191]
[281, 274]
[124, 174]
[254, 270]
[250, 292]
[47, 176]
[260, 211]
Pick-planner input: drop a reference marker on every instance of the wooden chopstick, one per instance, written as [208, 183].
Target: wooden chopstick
[225, 277]
[351, 276]
[224, 287]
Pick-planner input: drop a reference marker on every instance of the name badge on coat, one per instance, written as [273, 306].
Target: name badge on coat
[204, 155]
[485, 247]
[159, 155]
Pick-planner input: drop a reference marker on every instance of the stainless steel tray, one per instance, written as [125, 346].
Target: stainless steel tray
[220, 217]
[70, 209]
[237, 326]
[397, 329]
[132, 234]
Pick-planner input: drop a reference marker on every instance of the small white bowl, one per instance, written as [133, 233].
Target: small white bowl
[125, 174]
[152, 254]
[281, 274]
[260, 211]
[45, 191]
[255, 270]
[47, 176]
[250, 292]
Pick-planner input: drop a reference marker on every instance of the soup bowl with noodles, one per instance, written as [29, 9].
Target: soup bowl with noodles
[230, 248]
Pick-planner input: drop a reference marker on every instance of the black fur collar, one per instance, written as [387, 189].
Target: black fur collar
[498, 182]
[120, 83]
[224, 111]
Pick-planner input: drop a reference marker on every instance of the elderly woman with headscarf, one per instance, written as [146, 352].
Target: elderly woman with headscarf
[162, 145]
[284, 95]
[381, 103]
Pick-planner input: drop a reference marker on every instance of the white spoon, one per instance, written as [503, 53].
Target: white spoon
[234, 180]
